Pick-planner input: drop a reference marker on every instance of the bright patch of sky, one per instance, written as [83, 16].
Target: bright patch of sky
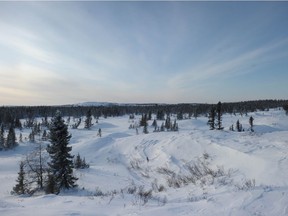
[166, 52]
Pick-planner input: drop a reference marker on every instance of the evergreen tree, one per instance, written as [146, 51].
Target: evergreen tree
[11, 138]
[168, 123]
[238, 126]
[285, 107]
[160, 115]
[219, 116]
[143, 120]
[99, 132]
[18, 124]
[50, 184]
[251, 119]
[32, 137]
[149, 115]
[20, 137]
[20, 187]
[145, 129]
[61, 165]
[211, 118]
[44, 135]
[2, 139]
[180, 115]
[88, 120]
[162, 127]
[80, 163]
[154, 124]
[175, 126]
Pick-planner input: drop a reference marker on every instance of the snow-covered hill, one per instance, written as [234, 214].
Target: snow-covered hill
[239, 173]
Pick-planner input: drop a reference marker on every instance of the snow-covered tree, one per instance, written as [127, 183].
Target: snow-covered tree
[61, 164]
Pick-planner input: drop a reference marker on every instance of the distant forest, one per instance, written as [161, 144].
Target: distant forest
[10, 114]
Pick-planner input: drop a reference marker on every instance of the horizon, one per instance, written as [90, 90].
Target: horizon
[90, 103]
[142, 52]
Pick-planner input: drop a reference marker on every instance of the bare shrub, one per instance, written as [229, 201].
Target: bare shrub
[156, 187]
[142, 196]
[175, 181]
[135, 164]
[248, 184]
[98, 192]
[197, 198]
[165, 171]
[132, 188]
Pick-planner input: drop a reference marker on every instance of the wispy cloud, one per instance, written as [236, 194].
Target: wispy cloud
[210, 69]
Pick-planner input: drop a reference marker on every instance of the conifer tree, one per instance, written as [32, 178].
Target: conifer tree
[88, 120]
[2, 139]
[50, 184]
[168, 123]
[238, 126]
[251, 119]
[32, 137]
[61, 165]
[145, 129]
[160, 115]
[180, 115]
[219, 116]
[20, 187]
[211, 118]
[11, 138]
[143, 120]
[80, 163]
[154, 124]
[44, 135]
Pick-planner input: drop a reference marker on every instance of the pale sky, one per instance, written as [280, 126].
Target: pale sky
[140, 52]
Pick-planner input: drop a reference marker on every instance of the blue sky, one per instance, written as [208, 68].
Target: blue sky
[165, 52]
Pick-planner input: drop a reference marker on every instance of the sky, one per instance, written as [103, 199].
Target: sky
[54, 53]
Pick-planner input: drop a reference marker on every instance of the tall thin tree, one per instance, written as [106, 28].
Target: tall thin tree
[88, 120]
[211, 118]
[20, 187]
[61, 165]
[219, 116]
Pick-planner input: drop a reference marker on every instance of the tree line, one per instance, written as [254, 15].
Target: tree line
[11, 114]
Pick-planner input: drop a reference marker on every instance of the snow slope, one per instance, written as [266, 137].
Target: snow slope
[118, 163]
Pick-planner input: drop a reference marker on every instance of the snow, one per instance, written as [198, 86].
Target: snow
[118, 162]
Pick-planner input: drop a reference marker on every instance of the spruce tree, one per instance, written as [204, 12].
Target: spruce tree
[2, 139]
[11, 138]
[251, 119]
[238, 126]
[145, 128]
[211, 120]
[50, 184]
[219, 116]
[61, 164]
[88, 120]
[20, 187]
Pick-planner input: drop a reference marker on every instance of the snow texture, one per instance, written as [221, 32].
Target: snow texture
[251, 176]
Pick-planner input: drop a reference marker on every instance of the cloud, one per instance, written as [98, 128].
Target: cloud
[230, 66]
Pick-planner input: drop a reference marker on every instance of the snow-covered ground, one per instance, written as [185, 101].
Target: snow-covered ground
[242, 173]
